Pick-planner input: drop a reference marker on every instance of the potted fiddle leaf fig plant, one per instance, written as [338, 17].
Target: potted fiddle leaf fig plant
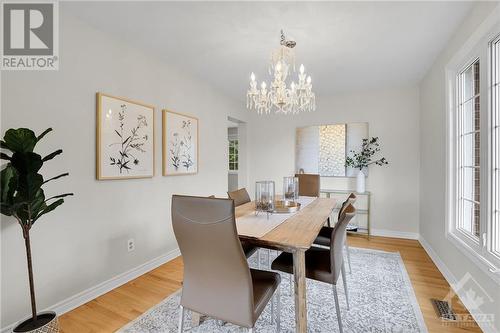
[23, 198]
[363, 159]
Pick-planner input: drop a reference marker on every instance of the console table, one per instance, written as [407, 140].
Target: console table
[359, 210]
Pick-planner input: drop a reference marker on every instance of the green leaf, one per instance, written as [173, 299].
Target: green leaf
[49, 208]
[43, 134]
[38, 203]
[29, 185]
[3, 145]
[4, 156]
[20, 140]
[56, 177]
[8, 179]
[26, 162]
[59, 196]
[52, 155]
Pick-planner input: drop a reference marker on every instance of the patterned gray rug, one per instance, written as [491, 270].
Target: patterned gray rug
[381, 298]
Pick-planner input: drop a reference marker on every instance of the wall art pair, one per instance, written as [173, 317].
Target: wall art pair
[126, 140]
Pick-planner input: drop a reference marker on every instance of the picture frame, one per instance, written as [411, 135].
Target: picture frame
[125, 138]
[180, 142]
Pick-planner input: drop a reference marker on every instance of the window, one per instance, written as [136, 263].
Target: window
[233, 154]
[495, 143]
[469, 132]
[473, 190]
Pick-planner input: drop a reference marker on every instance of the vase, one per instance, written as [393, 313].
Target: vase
[290, 189]
[361, 182]
[46, 323]
[264, 196]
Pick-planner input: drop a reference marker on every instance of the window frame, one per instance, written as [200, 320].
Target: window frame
[479, 250]
[494, 163]
[232, 139]
[472, 239]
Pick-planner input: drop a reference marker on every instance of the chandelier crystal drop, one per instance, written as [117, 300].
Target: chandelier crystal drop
[279, 98]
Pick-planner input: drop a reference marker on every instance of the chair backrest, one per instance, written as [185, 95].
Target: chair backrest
[217, 279]
[337, 240]
[240, 196]
[351, 199]
[309, 184]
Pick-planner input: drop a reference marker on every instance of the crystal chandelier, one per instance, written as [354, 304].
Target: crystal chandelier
[279, 98]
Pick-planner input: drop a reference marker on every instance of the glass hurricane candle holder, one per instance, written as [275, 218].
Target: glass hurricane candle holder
[291, 188]
[264, 196]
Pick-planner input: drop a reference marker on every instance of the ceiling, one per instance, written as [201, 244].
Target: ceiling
[345, 46]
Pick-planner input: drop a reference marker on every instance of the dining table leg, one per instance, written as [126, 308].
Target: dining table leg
[299, 273]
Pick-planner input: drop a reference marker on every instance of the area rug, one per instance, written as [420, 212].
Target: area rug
[380, 293]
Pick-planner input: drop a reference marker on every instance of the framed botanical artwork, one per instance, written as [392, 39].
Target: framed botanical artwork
[125, 138]
[180, 144]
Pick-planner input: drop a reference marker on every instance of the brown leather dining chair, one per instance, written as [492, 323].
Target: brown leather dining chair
[217, 280]
[325, 233]
[239, 196]
[325, 265]
[309, 184]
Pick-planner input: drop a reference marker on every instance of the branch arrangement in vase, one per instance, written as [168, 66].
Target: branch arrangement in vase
[363, 159]
[23, 198]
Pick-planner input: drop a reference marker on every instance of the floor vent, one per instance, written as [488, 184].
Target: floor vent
[443, 309]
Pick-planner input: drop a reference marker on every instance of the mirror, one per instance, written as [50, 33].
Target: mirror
[323, 149]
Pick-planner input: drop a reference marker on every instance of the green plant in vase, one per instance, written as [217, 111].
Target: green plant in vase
[363, 159]
[23, 198]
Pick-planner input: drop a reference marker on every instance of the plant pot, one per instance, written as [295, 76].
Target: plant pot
[361, 182]
[46, 322]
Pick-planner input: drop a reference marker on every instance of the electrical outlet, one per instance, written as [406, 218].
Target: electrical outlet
[130, 245]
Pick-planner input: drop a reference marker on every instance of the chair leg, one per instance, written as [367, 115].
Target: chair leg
[269, 259]
[337, 307]
[290, 286]
[250, 330]
[272, 310]
[258, 257]
[181, 319]
[278, 309]
[345, 284]
[348, 251]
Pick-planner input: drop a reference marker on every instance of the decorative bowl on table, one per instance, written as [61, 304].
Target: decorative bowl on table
[286, 206]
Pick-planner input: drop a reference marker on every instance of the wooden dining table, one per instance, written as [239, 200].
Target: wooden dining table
[294, 235]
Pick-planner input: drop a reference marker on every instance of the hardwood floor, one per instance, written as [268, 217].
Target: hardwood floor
[111, 311]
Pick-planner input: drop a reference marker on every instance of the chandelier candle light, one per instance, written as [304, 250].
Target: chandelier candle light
[279, 98]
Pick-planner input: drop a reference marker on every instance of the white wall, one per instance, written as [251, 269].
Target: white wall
[83, 242]
[391, 114]
[433, 167]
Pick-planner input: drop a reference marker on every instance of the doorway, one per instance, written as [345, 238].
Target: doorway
[236, 145]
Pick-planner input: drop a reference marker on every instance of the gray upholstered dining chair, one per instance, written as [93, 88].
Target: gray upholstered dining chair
[325, 233]
[248, 248]
[239, 196]
[217, 280]
[309, 184]
[325, 265]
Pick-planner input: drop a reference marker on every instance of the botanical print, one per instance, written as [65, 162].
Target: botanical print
[131, 144]
[126, 139]
[180, 143]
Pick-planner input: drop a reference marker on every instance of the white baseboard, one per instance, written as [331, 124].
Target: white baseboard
[487, 327]
[394, 234]
[106, 286]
